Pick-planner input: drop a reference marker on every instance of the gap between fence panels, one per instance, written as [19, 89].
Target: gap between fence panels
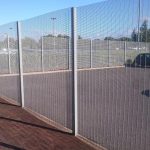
[91, 143]
[9, 100]
[48, 121]
[54, 124]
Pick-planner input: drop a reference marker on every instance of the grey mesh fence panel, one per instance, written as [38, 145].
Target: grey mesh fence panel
[31, 59]
[113, 102]
[83, 53]
[9, 65]
[4, 66]
[116, 53]
[55, 56]
[14, 61]
[131, 51]
[31, 54]
[13, 45]
[3, 54]
[113, 50]
[10, 87]
[99, 53]
[148, 50]
[45, 44]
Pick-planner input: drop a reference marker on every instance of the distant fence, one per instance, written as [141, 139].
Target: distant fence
[85, 70]
[91, 54]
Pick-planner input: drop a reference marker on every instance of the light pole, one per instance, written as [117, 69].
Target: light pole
[139, 18]
[53, 20]
[53, 23]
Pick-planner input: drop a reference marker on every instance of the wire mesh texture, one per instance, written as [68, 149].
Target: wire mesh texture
[9, 63]
[45, 45]
[113, 98]
[113, 70]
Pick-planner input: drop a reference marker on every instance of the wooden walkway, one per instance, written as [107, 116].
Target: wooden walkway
[19, 130]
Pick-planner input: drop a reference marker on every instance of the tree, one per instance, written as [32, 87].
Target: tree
[49, 35]
[124, 39]
[109, 38]
[118, 39]
[134, 35]
[79, 37]
[144, 31]
[148, 35]
[63, 36]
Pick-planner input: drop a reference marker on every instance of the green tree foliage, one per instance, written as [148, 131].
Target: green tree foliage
[134, 35]
[79, 37]
[63, 36]
[118, 39]
[144, 33]
[124, 39]
[109, 38]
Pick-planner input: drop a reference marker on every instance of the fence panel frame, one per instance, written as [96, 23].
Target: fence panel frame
[74, 70]
[20, 63]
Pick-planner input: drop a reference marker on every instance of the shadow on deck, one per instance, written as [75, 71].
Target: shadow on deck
[19, 130]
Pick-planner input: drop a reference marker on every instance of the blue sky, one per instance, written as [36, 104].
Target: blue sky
[13, 10]
[115, 18]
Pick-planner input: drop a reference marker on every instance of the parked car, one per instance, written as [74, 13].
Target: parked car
[142, 60]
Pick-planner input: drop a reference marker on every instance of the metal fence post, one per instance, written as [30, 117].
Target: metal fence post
[139, 19]
[42, 56]
[125, 48]
[91, 62]
[68, 53]
[20, 63]
[74, 67]
[108, 53]
[8, 48]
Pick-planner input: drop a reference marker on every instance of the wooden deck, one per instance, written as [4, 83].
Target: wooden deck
[19, 130]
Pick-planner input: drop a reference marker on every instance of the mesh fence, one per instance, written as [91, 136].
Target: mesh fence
[56, 53]
[113, 61]
[45, 45]
[100, 53]
[4, 53]
[46, 42]
[113, 107]
[9, 62]
[84, 53]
